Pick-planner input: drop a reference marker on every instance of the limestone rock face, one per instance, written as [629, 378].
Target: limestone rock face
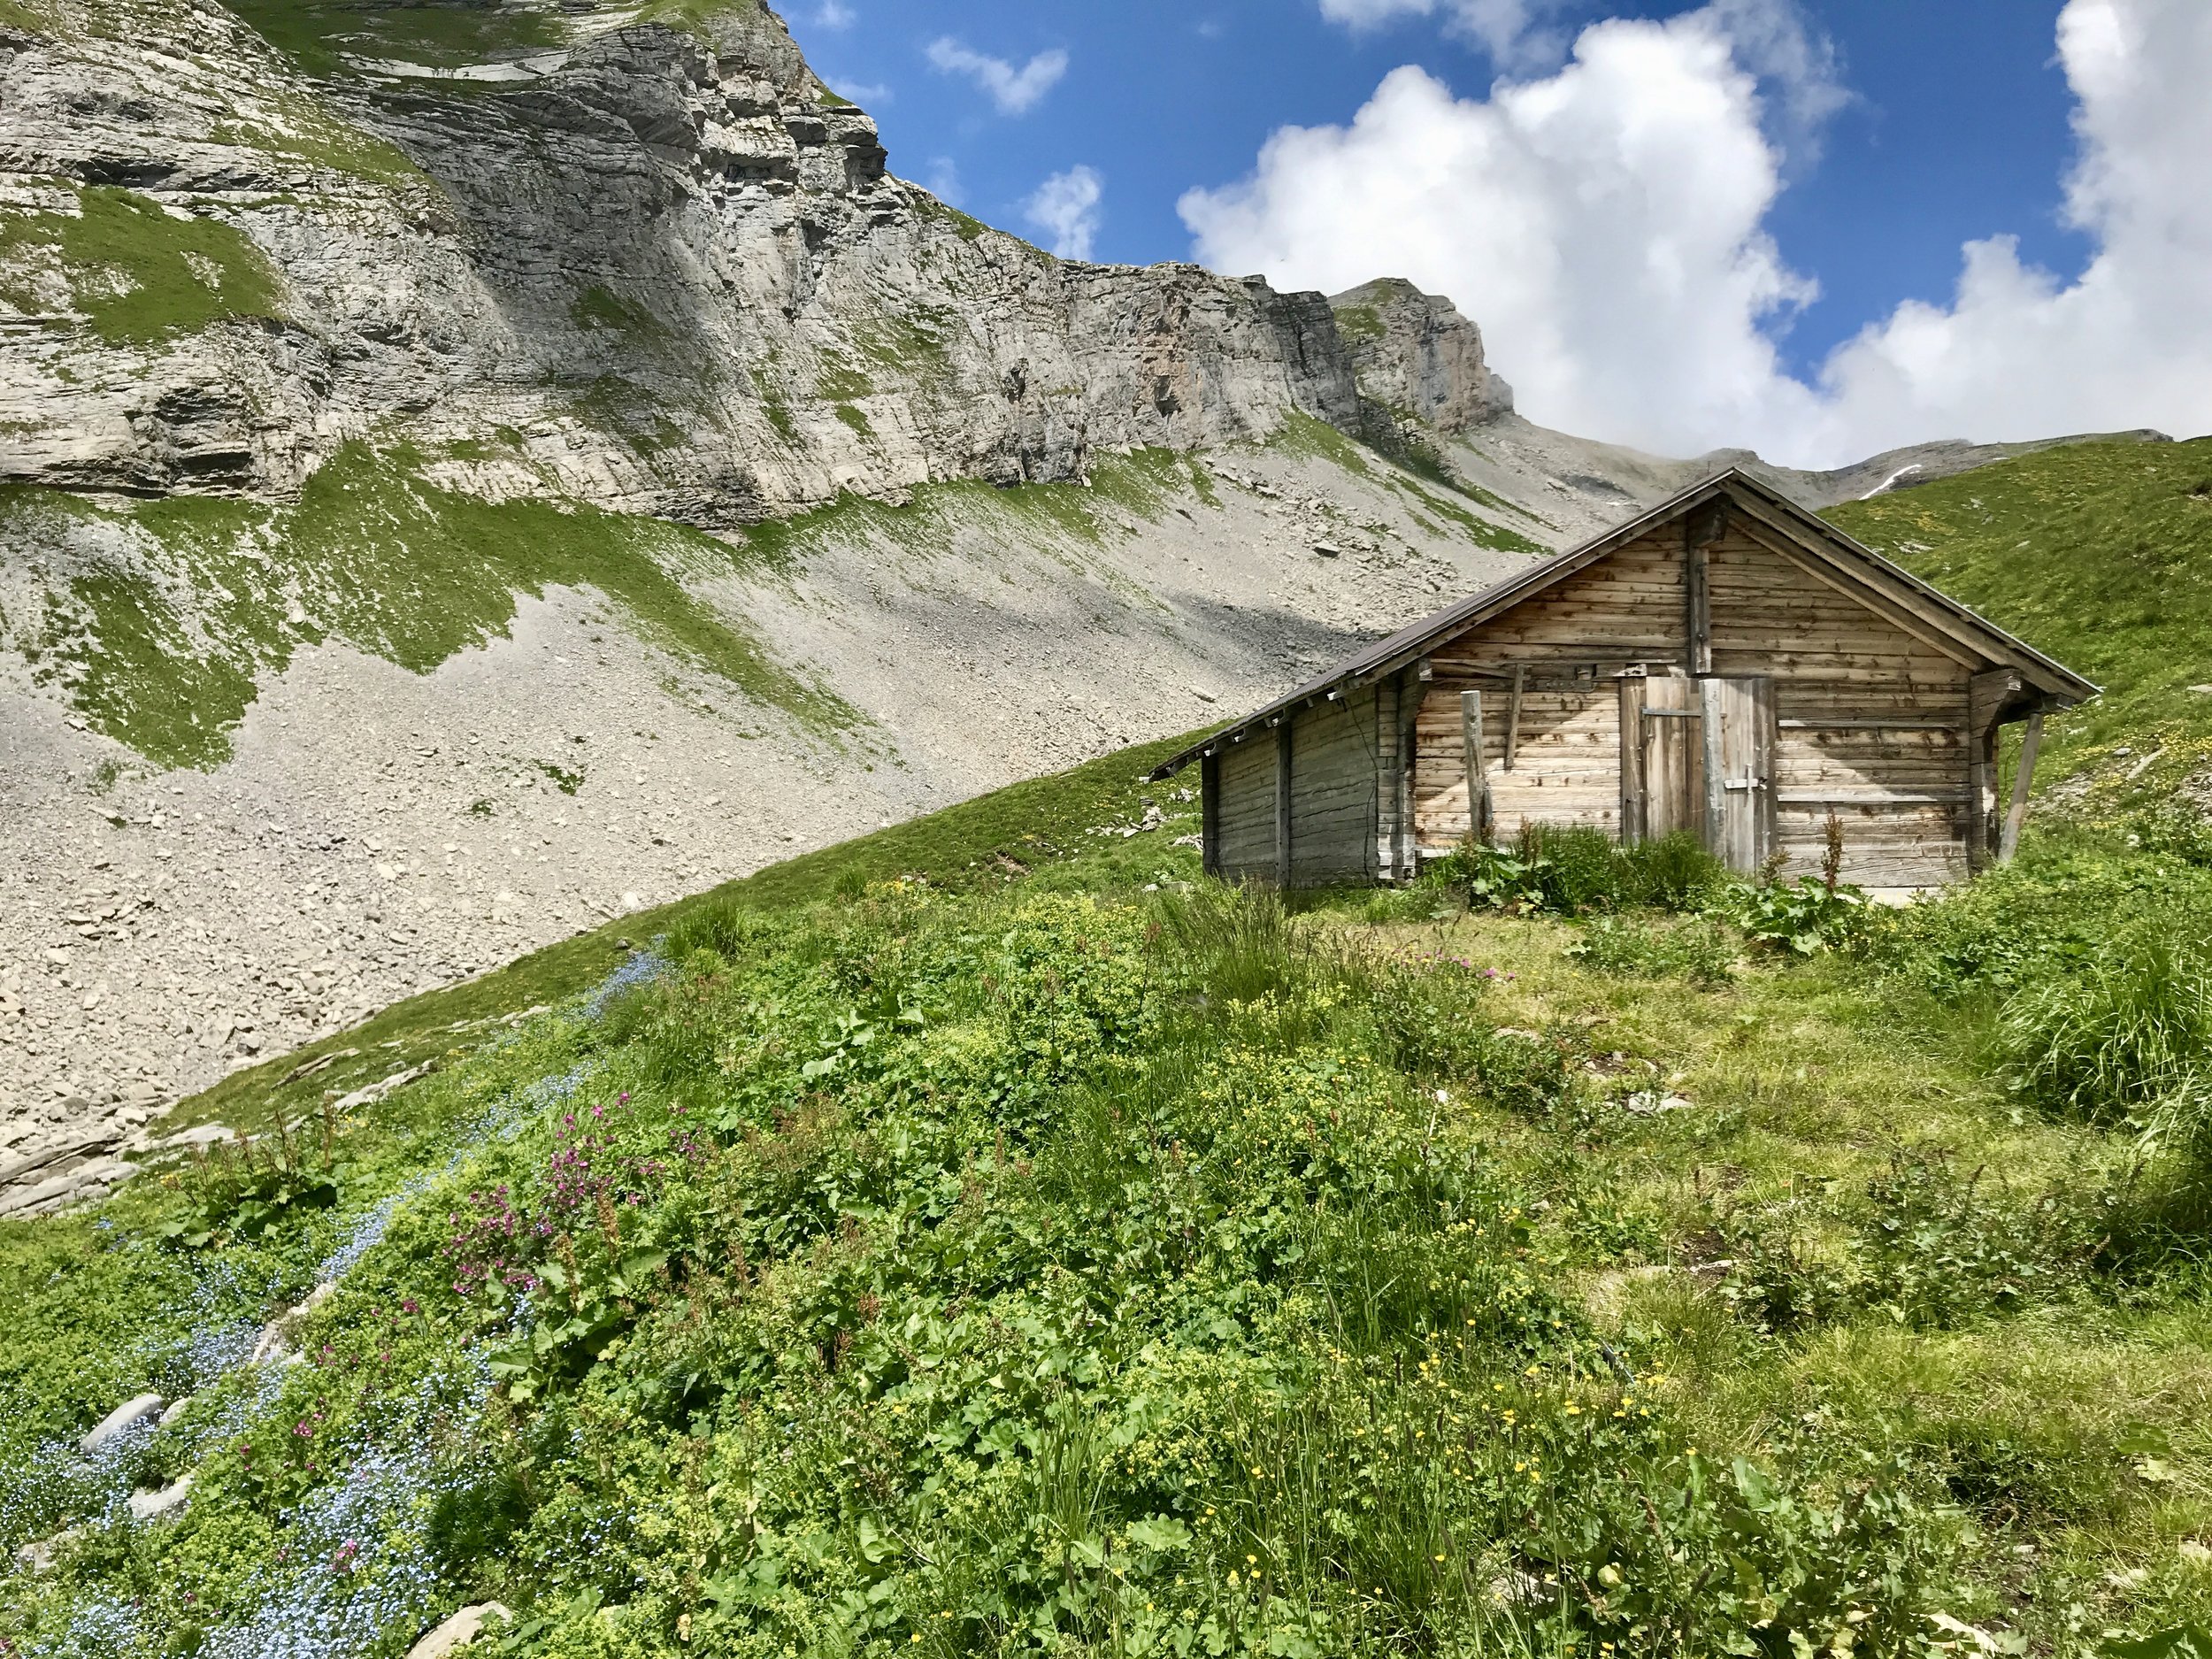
[1414, 354]
[671, 274]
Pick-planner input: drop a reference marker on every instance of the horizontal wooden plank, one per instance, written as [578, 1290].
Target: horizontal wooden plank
[1870, 797]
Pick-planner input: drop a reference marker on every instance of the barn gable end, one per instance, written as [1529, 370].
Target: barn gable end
[1727, 663]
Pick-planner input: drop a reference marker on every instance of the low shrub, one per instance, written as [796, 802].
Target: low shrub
[1574, 870]
[1928, 1247]
[1804, 916]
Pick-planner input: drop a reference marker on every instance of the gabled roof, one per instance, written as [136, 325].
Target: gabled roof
[1889, 586]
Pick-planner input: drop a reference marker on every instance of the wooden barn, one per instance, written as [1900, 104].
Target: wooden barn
[1728, 664]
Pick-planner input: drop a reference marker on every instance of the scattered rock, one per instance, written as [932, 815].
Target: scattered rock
[1650, 1103]
[177, 1409]
[376, 1092]
[39, 1557]
[321, 1063]
[457, 1631]
[149, 1506]
[117, 1423]
[274, 1344]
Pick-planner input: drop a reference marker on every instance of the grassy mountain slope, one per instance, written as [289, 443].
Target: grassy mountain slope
[1002, 1264]
[982, 1238]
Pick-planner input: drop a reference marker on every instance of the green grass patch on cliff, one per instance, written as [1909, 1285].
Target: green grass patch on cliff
[320, 35]
[160, 618]
[135, 272]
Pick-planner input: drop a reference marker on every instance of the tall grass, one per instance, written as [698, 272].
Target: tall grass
[2125, 1035]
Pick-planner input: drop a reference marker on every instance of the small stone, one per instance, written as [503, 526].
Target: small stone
[457, 1631]
[124, 1417]
[148, 1506]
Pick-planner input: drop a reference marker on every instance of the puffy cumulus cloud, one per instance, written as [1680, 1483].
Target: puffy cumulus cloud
[1605, 222]
[1066, 207]
[1015, 90]
[2019, 353]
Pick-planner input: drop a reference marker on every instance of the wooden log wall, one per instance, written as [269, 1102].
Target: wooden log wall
[1335, 803]
[1872, 708]
[1569, 641]
[1245, 836]
[1872, 712]
[1334, 812]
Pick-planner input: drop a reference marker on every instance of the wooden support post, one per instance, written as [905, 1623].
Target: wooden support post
[1987, 693]
[2009, 843]
[1282, 803]
[1413, 690]
[1632, 754]
[1700, 530]
[1209, 822]
[1478, 775]
[1513, 715]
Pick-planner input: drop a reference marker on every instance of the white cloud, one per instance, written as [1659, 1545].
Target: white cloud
[834, 15]
[1605, 225]
[1508, 29]
[1066, 207]
[1013, 90]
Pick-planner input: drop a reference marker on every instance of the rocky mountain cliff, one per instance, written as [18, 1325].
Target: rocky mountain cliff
[669, 274]
[469, 468]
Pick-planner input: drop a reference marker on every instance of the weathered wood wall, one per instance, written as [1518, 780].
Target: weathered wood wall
[1568, 641]
[1873, 709]
[1245, 837]
[1873, 718]
[1337, 803]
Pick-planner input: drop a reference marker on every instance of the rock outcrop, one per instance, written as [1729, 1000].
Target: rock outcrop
[1414, 354]
[673, 271]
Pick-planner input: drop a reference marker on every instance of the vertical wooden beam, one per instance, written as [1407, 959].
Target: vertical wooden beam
[1478, 775]
[1382, 855]
[1986, 696]
[2009, 843]
[1631, 757]
[1712, 699]
[1513, 715]
[1413, 690]
[1700, 530]
[1282, 801]
[1209, 803]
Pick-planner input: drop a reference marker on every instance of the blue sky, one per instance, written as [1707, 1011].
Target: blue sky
[1939, 124]
[1957, 128]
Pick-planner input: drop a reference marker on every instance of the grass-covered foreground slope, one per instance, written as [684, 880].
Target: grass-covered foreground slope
[2100, 554]
[1057, 1255]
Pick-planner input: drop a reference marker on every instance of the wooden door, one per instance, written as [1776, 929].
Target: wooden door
[1672, 751]
[1740, 737]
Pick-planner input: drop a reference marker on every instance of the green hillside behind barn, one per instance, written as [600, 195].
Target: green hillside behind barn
[991, 1237]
